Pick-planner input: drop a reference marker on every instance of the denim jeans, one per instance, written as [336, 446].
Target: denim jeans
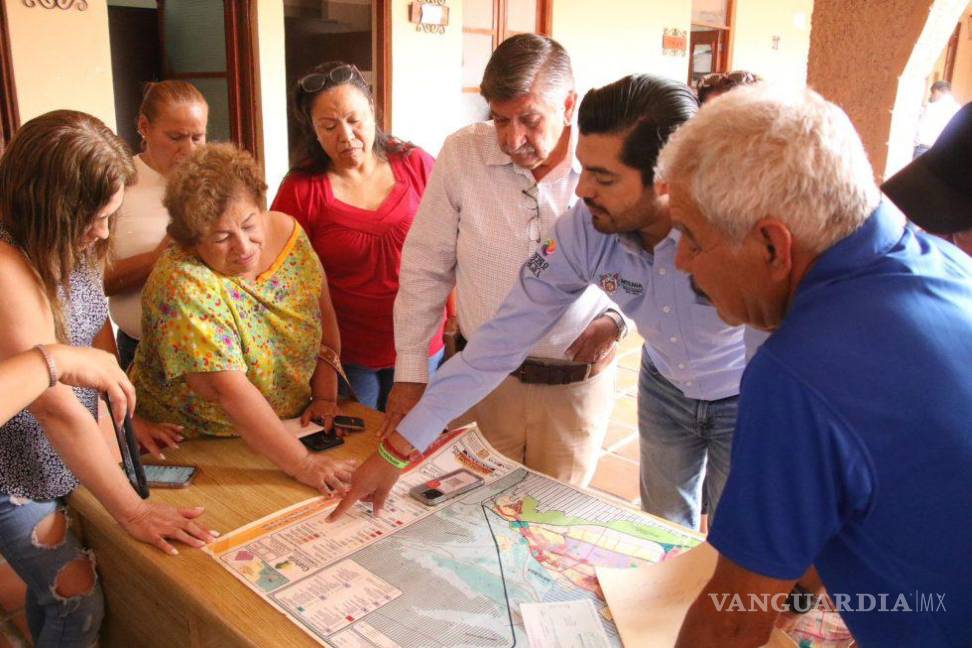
[126, 349]
[53, 620]
[685, 447]
[372, 386]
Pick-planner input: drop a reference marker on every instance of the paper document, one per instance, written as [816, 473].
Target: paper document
[455, 574]
[564, 624]
[650, 601]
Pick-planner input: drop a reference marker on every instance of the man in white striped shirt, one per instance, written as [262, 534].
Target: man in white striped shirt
[494, 195]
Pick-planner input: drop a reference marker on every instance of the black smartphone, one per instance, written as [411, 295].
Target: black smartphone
[353, 423]
[321, 441]
[170, 475]
[128, 447]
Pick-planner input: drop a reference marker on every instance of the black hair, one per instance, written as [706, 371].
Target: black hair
[313, 159]
[647, 109]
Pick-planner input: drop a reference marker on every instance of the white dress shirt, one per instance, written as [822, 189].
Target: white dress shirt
[934, 118]
[474, 229]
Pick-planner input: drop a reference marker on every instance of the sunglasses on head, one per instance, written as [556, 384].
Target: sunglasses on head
[316, 81]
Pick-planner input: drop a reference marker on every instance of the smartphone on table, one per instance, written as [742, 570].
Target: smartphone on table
[323, 440]
[169, 476]
[350, 423]
[438, 490]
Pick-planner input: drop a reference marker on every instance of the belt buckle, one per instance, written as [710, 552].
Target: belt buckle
[587, 373]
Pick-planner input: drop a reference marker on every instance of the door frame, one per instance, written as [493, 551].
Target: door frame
[9, 114]
[244, 111]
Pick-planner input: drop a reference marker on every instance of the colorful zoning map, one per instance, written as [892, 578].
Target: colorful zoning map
[451, 575]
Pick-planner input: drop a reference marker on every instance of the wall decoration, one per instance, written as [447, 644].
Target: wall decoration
[80, 5]
[430, 16]
[674, 42]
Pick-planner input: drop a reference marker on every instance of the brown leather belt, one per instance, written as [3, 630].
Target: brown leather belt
[538, 372]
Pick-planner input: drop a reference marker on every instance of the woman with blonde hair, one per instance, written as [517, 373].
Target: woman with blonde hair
[61, 178]
[172, 123]
[239, 328]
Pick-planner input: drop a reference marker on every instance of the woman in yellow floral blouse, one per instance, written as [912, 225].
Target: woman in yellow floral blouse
[238, 327]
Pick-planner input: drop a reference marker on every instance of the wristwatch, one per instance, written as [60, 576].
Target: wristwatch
[618, 320]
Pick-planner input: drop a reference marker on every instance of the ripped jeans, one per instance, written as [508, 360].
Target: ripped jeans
[35, 538]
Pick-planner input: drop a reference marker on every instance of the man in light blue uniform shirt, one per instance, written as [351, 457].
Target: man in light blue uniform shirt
[619, 238]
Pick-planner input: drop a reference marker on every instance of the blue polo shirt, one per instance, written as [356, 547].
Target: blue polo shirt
[684, 336]
[853, 446]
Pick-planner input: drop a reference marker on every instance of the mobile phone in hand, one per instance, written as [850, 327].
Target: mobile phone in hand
[322, 440]
[438, 490]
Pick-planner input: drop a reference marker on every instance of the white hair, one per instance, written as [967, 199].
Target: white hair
[761, 151]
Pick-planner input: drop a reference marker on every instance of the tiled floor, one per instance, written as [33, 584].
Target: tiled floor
[617, 469]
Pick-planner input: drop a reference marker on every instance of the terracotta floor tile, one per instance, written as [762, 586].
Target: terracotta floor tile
[626, 411]
[631, 343]
[12, 589]
[627, 381]
[618, 432]
[630, 360]
[628, 449]
[616, 476]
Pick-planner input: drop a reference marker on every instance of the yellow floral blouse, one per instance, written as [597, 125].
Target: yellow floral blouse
[195, 320]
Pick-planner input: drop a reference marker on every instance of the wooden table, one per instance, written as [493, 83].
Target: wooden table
[190, 600]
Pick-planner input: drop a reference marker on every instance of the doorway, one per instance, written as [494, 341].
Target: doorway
[709, 41]
[9, 117]
[352, 31]
[204, 42]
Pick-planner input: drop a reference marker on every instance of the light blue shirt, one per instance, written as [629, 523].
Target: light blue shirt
[684, 337]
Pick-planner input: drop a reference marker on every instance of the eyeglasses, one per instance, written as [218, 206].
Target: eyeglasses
[533, 206]
[317, 81]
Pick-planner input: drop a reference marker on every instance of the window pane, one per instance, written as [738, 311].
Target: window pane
[701, 60]
[710, 12]
[521, 15]
[195, 36]
[477, 14]
[476, 50]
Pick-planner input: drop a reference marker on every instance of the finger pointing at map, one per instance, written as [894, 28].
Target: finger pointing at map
[376, 476]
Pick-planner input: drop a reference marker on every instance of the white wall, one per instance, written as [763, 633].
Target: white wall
[426, 78]
[61, 59]
[608, 40]
[756, 23]
[272, 89]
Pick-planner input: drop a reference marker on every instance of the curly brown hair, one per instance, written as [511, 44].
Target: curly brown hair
[59, 170]
[203, 185]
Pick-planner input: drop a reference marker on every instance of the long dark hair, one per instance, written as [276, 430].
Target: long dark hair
[59, 170]
[313, 160]
[646, 108]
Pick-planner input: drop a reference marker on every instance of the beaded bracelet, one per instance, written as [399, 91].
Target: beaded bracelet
[384, 453]
[51, 367]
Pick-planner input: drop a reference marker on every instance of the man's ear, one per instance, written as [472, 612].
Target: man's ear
[777, 244]
[661, 188]
[570, 103]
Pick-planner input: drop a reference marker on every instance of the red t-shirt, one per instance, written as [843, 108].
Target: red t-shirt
[361, 251]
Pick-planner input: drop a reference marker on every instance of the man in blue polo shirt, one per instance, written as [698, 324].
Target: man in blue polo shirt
[853, 447]
[618, 238]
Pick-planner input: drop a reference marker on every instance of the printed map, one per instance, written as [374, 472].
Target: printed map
[453, 575]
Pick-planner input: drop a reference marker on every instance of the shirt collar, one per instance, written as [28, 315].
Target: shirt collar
[631, 241]
[881, 231]
[495, 156]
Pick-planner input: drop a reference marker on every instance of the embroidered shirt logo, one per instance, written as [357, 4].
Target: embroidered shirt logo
[549, 247]
[611, 281]
[536, 264]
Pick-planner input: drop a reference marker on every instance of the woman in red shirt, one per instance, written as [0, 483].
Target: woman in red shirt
[355, 192]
